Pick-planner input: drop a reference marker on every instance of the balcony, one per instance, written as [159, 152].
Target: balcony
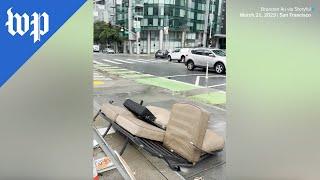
[138, 15]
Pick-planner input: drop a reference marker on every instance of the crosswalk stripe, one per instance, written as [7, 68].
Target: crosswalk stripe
[147, 60]
[134, 60]
[106, 60]
[123, 61]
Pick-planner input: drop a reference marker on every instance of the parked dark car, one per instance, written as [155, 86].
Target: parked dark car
[161, 54]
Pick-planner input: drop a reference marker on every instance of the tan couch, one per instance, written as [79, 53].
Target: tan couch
[186, 128]
[162, 115]
[140, 128]
[112, 111]
[135, 126]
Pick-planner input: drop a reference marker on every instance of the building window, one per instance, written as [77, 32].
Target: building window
[161, 10]
[150, 22]
[182, 3]
[169, 1]
[199, 26]
[182, 13]
[144, 22]
[191, 36]
[168, 11]
[161, 22]
[192, 5]
[161, 1]
[150, 10]
[200, 16]
[201, 7]
[155, 11]
[191, 15]
[155, 22]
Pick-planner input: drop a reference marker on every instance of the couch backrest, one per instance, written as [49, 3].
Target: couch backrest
[188, 123]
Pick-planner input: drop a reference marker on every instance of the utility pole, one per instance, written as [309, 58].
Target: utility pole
[130, 25]
[137, 36]
[205, 30]
[211, 23]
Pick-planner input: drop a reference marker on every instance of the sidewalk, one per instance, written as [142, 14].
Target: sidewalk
[163, 93]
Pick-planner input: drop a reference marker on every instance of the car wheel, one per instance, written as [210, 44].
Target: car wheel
[190, 65]
[219, 68]
[169, 57]
[182, 59]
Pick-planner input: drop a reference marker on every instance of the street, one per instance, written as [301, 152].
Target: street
[163, 68]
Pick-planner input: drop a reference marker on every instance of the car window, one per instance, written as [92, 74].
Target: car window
[207, 52]
[196, 51]
[176, 50]
[219, 52]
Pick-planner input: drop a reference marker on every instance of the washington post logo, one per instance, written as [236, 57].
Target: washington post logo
[21, 24]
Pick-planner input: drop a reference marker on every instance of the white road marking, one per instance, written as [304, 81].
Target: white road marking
[134, 60]
[96, 62]
[183, 75]
[197, 81]
[217, 85]
[123, 61]
[153, 60]
[145, 60]
[106, 60]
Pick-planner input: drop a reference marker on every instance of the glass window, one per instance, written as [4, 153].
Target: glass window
[192, 5]
[161, 10]
[144, 22]
[191, 15]
[200, 16]
[150, 10]
[161, 1]
[155, 11]
[182, 2]
[161, 22]
[150, 22]
[155, 22]
[199, 26]
[182, 13]
[219, 52]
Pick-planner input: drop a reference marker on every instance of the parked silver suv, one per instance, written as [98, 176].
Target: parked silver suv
[199, 57]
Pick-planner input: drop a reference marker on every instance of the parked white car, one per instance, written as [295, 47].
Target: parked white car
[178, 54]
[96, 48]
[109, 51]
[199, 57]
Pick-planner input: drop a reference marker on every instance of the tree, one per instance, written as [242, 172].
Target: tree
[106, 33]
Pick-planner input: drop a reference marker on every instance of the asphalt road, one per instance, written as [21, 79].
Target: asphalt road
[163, 68]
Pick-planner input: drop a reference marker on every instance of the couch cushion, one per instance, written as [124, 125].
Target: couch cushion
[162, 115]
[112, 111]
[140, 128]
[188, 123]
[212, 141]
